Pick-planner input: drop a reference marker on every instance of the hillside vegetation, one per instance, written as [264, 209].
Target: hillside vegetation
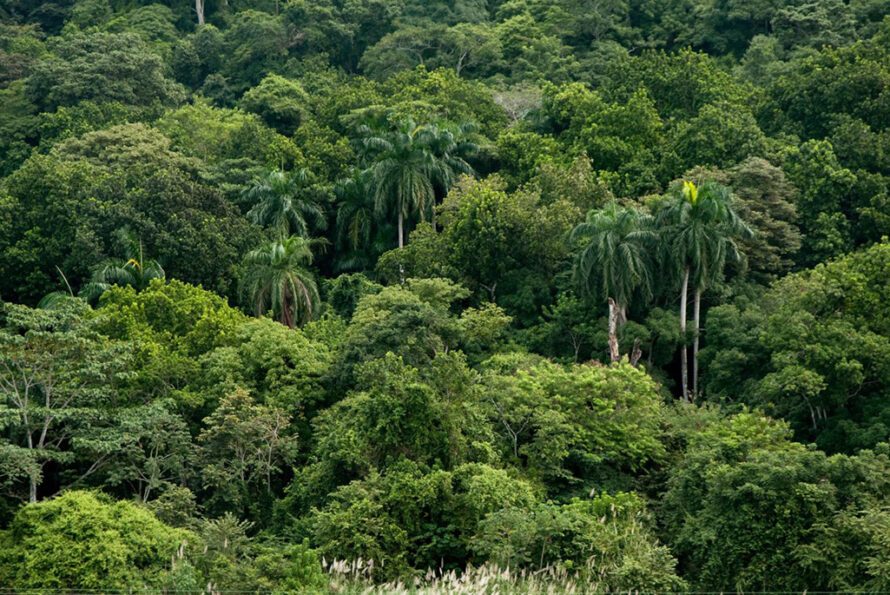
[444, 295]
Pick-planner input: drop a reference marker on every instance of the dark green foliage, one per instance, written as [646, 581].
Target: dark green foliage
[100, 67]
[761, 508]
[824, 200]
[64, 209]
[279, 101]
[308, 292]
[438, 512]
[815, 351]
[681, 84]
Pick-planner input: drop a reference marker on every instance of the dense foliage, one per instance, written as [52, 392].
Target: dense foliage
[505, 294]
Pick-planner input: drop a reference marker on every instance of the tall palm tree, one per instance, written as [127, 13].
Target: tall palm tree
[698, 225]
[614, 261]
[408, 162]
[280, 202]
[402, 172]
[361, 235]
[277, 280]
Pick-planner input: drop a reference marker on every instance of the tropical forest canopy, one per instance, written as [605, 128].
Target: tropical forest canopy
[332, 294]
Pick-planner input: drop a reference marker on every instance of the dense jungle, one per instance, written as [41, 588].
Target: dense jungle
[444, 296]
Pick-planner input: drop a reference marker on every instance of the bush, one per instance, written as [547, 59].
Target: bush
[82, 540]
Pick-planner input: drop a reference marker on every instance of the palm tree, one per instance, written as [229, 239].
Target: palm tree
[698, 226]
[361, 235]
[277, 280]
[451, 146]
[614, 261]
[355, 212]
[402, 172]
[133, 269]
[407, 164]
[280, 202]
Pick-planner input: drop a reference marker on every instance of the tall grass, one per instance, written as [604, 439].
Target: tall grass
[354, 578]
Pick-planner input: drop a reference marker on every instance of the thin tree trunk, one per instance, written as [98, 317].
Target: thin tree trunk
[614, 312]
[696, 316]
[401, 236]
[684, 364]
[32, 479]
[460, 63]
[491, 290]
[635, 354]
[199, 8]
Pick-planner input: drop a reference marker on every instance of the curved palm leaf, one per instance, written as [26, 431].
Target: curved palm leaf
[131, 270]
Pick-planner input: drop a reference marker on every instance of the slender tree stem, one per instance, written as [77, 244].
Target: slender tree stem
[696, 315]
[614, 312]
[684, 364]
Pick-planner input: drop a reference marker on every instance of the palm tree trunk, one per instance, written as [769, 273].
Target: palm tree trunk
[287, 314]
[696, 312]
[401, 236]
[684, 364]
[614, 312]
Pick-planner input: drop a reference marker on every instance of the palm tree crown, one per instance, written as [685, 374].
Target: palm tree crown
[408, 163]
[280, 202]
[614, 260]
[277, 280]
[698, 225]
